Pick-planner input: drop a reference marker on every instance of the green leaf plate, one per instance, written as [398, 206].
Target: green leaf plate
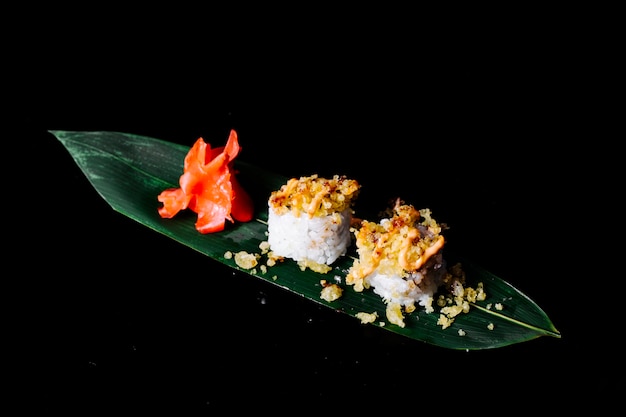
[129, 172]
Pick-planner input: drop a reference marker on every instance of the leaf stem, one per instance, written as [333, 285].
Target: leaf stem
[553, 333]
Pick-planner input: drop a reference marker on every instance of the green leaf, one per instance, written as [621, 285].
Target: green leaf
[129, 172]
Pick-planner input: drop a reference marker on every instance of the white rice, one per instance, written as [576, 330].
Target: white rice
[418, 287]
[320, 239]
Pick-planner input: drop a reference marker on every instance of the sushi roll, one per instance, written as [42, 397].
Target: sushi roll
[309, 220]
[401, 259]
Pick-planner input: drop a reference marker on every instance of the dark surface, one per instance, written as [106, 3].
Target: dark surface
[119, 317]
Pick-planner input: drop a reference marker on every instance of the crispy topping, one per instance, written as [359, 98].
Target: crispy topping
[315, 196]
[396, 246]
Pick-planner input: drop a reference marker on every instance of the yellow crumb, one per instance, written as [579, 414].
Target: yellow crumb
[394, 314]
[264, 246]
[444, 321]
[458, 301]
[246, 260]
[331, 292]
[314, 266]
[367, 318]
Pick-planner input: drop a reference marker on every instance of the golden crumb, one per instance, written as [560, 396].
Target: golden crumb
[250, 261]
[331, 292]
[428, 305]
[441, 300]
[394, 314]
[246, 260]
[470, 294]
[264, 246]
[272, 258]
[314, 266]
[444, 321]
[367, 318]
[458, 301]
[453, 310]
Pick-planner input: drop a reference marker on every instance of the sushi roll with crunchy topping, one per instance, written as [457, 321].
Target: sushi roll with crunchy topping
[400, 258]
[309, 220]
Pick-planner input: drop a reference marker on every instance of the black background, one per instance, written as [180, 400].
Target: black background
[478, 128]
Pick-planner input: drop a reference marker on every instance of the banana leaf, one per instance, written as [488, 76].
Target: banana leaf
[129, 171]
